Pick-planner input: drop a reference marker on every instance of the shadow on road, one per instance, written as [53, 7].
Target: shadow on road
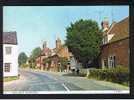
[74, 74]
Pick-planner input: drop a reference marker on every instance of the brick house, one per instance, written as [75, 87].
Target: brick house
[46, 52]
[54, 55]
[115, 48]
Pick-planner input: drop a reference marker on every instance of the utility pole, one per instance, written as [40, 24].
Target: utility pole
[112, 14]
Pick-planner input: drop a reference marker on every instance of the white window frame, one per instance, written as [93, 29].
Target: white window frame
[112, 61]
[105, 39]
[10, 50]
[5, 67]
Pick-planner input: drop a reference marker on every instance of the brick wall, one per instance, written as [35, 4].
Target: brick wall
[120, 49]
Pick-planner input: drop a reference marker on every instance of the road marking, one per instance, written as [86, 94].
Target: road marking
[65, 87]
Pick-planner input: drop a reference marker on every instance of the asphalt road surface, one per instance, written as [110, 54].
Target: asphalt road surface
[31, 80]
[37, 81]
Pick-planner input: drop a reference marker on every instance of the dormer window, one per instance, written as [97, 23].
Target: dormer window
[105, 40]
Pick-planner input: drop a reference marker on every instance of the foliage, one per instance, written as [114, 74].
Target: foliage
[117, 75]
[35, 53]
[22, 58]
[11, 78]
[83, 40]
[63, 61]
[24, 65]
[46, 60]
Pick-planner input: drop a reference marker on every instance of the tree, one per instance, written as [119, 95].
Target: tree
[83, 40]
[35, 53]
[63, 61]
[22, 58]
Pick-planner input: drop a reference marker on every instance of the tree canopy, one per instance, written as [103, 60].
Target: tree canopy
[83, 40]
[22, 58]
[35, 53]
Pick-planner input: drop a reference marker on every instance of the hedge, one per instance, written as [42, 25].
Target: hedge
[117, 75]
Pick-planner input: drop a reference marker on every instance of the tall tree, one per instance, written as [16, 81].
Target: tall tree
[35, 53]
[83, 40]
[22, 58]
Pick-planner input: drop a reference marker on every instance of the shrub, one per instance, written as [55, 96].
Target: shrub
[117, 75]
[24, 65]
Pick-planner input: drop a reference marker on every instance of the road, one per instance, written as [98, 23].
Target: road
[37, 81]
[52, 81]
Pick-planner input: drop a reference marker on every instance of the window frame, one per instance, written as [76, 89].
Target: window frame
[7, 68]
[8, 50]
[112, 61]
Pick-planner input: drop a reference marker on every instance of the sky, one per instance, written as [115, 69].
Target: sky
[36, 24]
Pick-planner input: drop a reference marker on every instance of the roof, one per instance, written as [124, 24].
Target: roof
[46, 51]
[120, 30]
[9, 38]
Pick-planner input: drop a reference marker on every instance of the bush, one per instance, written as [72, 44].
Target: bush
[117, 75]
[24, 65]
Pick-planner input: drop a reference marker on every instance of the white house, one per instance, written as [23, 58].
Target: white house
[74, 64]
[10, 54]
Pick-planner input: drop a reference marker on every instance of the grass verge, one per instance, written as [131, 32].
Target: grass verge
[11, 78]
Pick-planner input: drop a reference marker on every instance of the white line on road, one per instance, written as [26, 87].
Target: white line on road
[65, 87]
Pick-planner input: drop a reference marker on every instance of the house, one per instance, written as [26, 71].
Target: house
[115, 49]
[74, 64]
[46, 52]
[60, 51]
[10, 54]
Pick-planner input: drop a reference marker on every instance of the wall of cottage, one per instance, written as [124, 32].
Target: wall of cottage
[12, 59]
[121, 51]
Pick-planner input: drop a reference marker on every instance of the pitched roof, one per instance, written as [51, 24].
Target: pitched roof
[46, 51]
[121, 30]
[9, 38]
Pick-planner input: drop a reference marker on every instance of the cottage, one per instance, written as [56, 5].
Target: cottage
[10, 54]
[115, 48]
[60, 51]
[46, 52]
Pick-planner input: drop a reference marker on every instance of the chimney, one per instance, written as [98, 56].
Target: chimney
[45, 44]
[105, 24]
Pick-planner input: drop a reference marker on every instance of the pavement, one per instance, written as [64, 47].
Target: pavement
[35, 80]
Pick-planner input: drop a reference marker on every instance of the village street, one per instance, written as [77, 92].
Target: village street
[51, 81]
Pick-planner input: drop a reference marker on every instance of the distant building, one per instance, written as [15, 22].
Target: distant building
[46, 52]
[115, 49]
[10, 54]
[60, 51]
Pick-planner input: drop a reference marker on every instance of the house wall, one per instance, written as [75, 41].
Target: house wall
[64, 52]
[12, 58]
[121, 51]
[74, 63]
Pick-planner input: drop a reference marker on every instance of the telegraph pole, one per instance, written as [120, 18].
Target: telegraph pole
[112, 14]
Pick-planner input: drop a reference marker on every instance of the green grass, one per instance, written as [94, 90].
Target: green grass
[11, 78]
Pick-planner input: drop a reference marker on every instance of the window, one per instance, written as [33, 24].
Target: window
[105, 40]
[104, 63]
[7, 67]
[8, 50]
[112, 61]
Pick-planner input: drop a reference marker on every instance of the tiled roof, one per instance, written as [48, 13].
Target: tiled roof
[46, 51]
[121, 30]
[9, 38]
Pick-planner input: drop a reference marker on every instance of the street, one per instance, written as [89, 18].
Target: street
[52, 81]
[34, 81]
